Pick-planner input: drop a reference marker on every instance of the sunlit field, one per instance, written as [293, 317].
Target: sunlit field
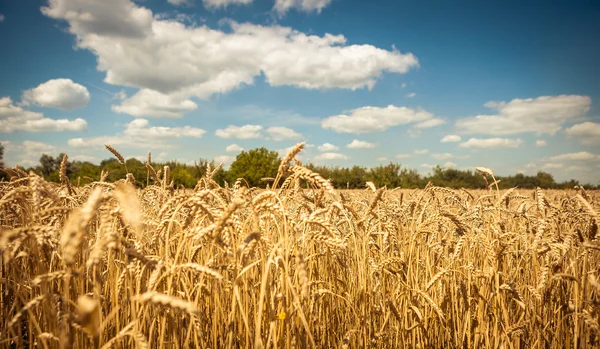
[297, 265]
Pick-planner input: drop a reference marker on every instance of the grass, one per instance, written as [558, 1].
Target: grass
[299, 265]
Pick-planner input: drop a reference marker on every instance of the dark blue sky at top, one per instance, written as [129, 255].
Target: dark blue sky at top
[469, 51]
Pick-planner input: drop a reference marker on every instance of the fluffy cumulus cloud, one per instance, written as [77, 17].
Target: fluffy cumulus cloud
[587, 133]
[540, 143]
[225, 159]
[178, 2]
[442, 156]
[153, 104]
[546, 114]
[492, 143]
[328, 147]
[221, 3]
[580, 156]
[136, 49]
[451, 138]
[422, 151]
[279, 133]
[550, 165]
[26, 153]
[374, 119]
[139, 128]
[330, 156]
[240, 132]
[356, 144]
[139, 134]
[58, 93]
[282, 6]
[14, 118]
[233, 148]
[411, 95]
[85, 158]
[430, 123]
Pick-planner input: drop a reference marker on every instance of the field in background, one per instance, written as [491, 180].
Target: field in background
[298, 266]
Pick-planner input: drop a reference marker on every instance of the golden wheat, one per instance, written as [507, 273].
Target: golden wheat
[298, 265]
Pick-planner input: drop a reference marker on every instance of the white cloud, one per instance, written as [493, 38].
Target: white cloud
[577, 169]
[139, 128]
[233, 148]
[37, 147]
[26, 153]
[587, 133]
[430, 123]
[279, 133]
[152, 104]
[541, 115]
[403, 156]
[331, 156]
[451, 138]
[374, 119]
[138, 134]
[262, 114]
[421, 151]
[444, 156]
[13, 118]
[58, 93]
[581, 156]
[222, 3]
[84, 158]
[449, 164]
[178, 2]
[283, 151]
[540, 143]
[1, 17]
[403, 85]
[162, 157]
[410, 95]
[225, 159]
[243, 132]
[282, 6]
[382, 159]
[552, 165]
[328, 147]
[136, 49]
[356, 144]
[492, 143]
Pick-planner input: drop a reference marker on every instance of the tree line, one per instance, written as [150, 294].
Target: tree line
[257, 164]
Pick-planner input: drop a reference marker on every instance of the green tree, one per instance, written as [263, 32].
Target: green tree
[47, 165]
[388, 175]
[115, 169]
[545, 180]
[1, 155]
[181, 176]
[3, 174]
[254, 165]
[410, 178]
[86, 171]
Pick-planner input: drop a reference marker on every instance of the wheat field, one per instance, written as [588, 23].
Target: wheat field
[297, 265]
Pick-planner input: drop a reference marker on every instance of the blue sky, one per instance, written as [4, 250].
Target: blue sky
[512, 86]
